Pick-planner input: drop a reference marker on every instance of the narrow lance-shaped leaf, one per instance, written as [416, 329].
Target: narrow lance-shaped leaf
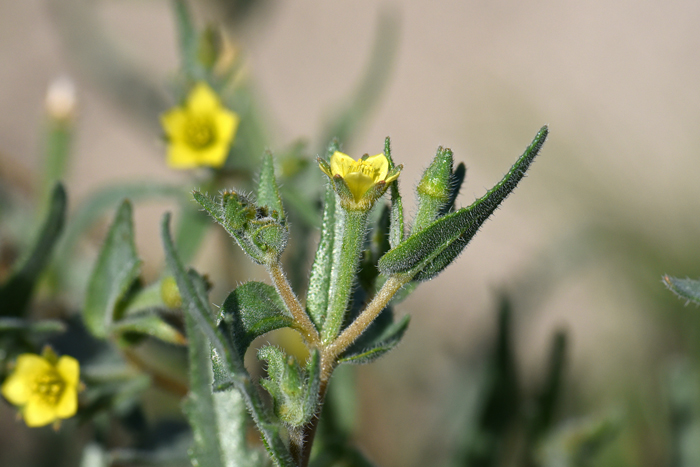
[229, 362]
[148, 323]
[319, 283]
[117, 268]
[456, 181]
[483, 208]
[218, 419]
[16, 293]
[251, 310]
[426, 253]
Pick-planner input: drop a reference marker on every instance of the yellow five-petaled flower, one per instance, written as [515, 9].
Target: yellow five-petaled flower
[201, 132]
[360, 175]
[44, 387]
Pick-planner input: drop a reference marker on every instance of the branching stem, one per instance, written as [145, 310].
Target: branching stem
[302, 320]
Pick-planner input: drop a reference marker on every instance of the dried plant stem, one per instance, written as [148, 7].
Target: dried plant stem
[303, 323]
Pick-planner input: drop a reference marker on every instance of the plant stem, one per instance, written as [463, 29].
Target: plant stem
[309, 430]
[352, 332]
[302, 321]
[344, 271]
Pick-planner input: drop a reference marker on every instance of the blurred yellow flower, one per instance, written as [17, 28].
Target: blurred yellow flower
[45, 388]
[360, 175]
[201, 132]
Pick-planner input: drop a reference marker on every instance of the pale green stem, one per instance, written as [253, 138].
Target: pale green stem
[344, 271]
[302, 321]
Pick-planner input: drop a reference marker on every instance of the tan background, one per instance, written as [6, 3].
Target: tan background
[616, 81]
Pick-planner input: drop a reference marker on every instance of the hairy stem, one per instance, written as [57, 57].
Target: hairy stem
[344, 272]
[302, 321]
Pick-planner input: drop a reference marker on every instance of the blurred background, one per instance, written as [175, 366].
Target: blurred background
[610, 205]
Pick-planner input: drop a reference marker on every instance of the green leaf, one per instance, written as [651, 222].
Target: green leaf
[15, 294]
[426, 253]
[550, 390]
[48, 326]
[294, 390]
[193, 224]
[687, 289]
[251, 310]
[218, 419]
[319, 284]
[387, 341]
[456, 181]
[117, 267]
[188, 42]
[150, 324]
[576, 443]
[268, 192]
[228, 363]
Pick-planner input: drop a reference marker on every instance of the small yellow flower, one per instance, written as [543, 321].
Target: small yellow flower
[45, 388]
[201, 132]
[360, 175]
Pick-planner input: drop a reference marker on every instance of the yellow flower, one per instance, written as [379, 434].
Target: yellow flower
[360, 175]
[45, 388]
[201, 132]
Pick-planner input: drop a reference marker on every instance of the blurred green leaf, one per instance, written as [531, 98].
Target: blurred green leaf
[499, 403]
[188, 41]
[116, 270]
[15, 294]
[251, 310]
[687, 289]
[48, 326]
[576, 443]
[268, 192]
[151, 324]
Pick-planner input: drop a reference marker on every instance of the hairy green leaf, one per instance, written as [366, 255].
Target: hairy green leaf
[15, 294]
[117, 267]
[251, 310]
[456, 181]
[319, 284]
[688, 289]
[396, 226]
[427, 252]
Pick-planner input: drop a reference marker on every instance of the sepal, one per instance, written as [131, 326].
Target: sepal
[260, 231]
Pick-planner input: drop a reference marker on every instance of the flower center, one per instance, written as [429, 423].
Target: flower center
[199, 132]
[49, 386]
[366, 169]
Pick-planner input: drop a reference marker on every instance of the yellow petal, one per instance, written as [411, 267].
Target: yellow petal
[69, 369]
[16, 390]
[38, 413]
[226, 123]
[181, 156]
[358, 183]
[341, 164]
[379, 164]
[213, 156]
[68, 403]
[173, 123]
[202, 99]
